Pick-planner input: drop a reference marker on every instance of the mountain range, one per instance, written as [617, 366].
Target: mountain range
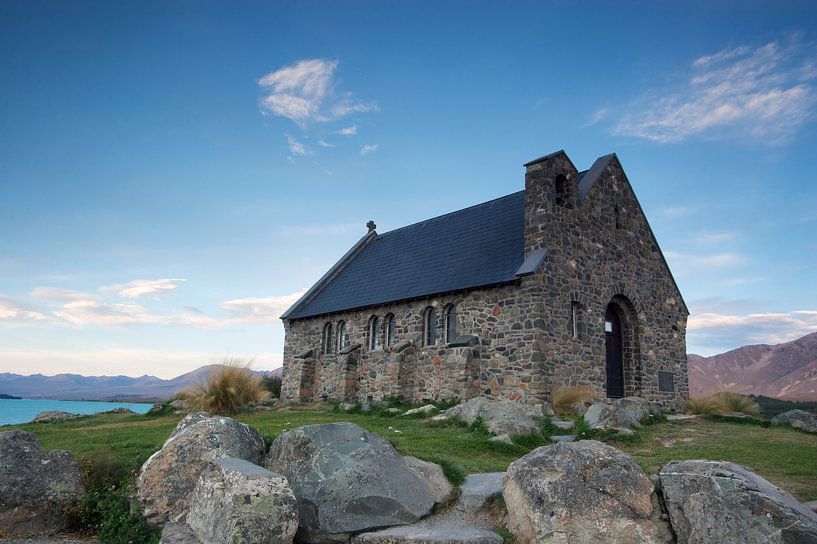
[109, 388]
[786, 371]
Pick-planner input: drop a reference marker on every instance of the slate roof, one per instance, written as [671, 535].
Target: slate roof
[474, 247]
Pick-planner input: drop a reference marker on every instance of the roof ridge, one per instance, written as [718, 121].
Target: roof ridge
[379, 235]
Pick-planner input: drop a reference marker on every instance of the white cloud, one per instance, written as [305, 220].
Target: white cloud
[127, 361]
[714, 237]
[296, 147]
[60, 295]
[764, 93]
[716, 260]
[13, 312]
[741, 329]
[598, 116]
[348, 131]
[369, 148]
[140, 288]
[260, 310]
[305, 93]
[324, 143]
[674, 212]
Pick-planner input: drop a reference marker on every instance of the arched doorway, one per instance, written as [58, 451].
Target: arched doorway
[614, 350]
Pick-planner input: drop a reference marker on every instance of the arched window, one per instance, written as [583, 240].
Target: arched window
[561, 190]
[375, 342]
[343, 336]
[389, 329]
[430, 326]
[450, 323]
[326, 341]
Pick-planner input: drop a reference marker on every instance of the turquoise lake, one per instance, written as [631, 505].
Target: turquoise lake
[24, 410]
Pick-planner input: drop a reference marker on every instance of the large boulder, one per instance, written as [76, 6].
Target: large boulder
[53, 415]
[501, 416]
[717, 501]
[479, 489]
[618, 413]
[582, 492]
[38, 491]
[799, 419]
[237, 502]
[347, 480]
[169, 476]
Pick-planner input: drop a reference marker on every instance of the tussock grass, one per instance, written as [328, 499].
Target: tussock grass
[704, 406]
[227, 389]
[735, 402]
[564, 398]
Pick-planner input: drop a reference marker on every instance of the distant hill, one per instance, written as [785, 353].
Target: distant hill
[786, 371]
[110, 388]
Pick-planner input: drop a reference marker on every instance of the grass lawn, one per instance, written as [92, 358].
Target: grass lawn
[786, 457]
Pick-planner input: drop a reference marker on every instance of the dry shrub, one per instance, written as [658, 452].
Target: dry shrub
[565, 398]
[735, 402]
[227, 389]
[707, 406]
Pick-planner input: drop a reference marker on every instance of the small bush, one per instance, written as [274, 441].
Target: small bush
[546, 427]
[653, 418]
[564, 398]
[504, 447]
[507, 536]
[227, 389]
[706, 406]
[582, 429]
[165, 410]
[479, 427]
[735, 402]
[115, 519]
[452, 471]
[530, 441]
[272, 384]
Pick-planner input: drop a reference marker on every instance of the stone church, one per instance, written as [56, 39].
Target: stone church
[560, 284]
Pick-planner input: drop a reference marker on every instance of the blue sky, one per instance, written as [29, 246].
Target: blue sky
[173, 174]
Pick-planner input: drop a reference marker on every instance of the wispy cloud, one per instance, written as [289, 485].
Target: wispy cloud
[598, 116]
[674, 212]
[763, 92]
[140, 288]
[714, 237]
[260, 310]
[12, 311]
[348, 131]
[370, 148]
[715, 260]
[324, 143]
[296, 147]
[752, 328]
[305, 93]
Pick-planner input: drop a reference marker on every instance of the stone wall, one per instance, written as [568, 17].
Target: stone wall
[601, 251]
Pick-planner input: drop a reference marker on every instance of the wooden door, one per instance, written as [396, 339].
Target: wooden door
[613, 348]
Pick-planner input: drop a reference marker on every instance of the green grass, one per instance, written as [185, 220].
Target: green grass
[785, 456]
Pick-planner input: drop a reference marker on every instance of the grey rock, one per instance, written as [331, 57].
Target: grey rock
[585, 492]
[478, 490]
[432, 474]
[237, 502]
[346, 406]
[38, 490]
[811, 505]
[681, 417]
[53, 415]
[424, 534]
[393, 410]
[501, 416]
[562, 424]
[427, 409]
[347, 480]
[501, 438]
[563, 438]
[175, 532]
[120, 410]
[168, 478]
[799, 419]
[626, 412]
[718, 501]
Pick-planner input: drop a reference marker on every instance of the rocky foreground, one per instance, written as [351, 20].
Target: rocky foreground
[214, 481]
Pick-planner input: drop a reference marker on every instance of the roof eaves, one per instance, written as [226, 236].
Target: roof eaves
[331, 273]
[532, 263]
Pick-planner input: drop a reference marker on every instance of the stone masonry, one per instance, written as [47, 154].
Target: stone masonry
[522, 340]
